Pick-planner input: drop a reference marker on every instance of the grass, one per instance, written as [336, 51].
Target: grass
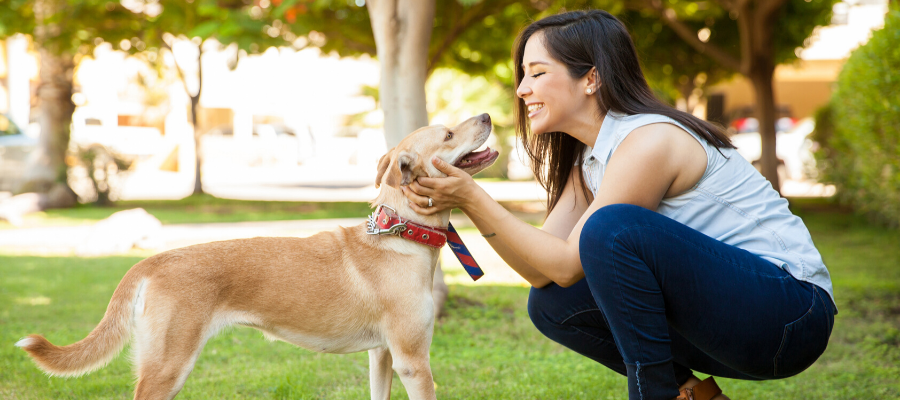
[207, 209]
[485, 347]
[199, 209]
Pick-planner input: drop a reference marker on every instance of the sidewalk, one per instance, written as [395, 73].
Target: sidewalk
[64, 241]
[355, 191]
[500, 191]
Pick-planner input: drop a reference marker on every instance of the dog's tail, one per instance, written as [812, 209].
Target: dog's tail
[101, 345]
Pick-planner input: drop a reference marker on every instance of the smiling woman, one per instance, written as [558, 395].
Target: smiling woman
[664, 252]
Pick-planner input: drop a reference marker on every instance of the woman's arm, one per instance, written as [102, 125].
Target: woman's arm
[640, 172]
[559, 223]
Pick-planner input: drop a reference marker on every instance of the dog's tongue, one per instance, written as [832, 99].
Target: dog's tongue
[474, 157]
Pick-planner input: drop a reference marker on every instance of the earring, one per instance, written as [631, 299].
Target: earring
[589, 91]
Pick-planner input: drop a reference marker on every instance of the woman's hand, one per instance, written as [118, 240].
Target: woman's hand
[454, 191]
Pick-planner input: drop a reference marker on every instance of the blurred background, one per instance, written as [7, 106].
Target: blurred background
[279, 100]
[129, 127]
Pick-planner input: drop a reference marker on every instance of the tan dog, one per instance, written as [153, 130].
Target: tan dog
[336, 292]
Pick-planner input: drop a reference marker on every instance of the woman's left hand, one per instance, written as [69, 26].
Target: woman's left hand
[454, 191]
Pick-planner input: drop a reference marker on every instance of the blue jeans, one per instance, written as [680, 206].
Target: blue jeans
[660, 299]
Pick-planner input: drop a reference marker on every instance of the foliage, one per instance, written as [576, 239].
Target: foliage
[245, 25]
[472, 36]
[101, 167]
[673, 68]
[485, 347]
[861, 155]
[794, 22]
[69, 26]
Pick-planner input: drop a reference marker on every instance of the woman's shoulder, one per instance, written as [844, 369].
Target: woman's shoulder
[625, 123]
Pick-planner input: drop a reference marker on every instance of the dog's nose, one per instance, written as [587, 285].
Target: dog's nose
[484, 118]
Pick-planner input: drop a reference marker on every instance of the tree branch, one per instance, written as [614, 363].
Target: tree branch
[765, 9]
[177, 67]
[687, 34]
[478, 13]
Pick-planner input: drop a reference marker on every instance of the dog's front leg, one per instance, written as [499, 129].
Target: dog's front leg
[380, 373]
[410, 356]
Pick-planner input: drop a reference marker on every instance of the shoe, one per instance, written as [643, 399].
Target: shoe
[705, 390]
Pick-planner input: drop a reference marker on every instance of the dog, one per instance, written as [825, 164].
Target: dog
[342, 291]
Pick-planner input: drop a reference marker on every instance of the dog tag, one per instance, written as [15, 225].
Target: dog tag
[462, 254]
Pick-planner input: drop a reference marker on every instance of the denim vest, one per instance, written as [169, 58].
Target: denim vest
[732, 202]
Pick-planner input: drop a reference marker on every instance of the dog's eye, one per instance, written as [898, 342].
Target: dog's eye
[449, 136]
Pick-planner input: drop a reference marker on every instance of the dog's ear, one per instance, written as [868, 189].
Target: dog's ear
[383, 163]
[403, 170]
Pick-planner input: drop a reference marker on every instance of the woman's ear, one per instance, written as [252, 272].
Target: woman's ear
[593, 81]
[383, 163]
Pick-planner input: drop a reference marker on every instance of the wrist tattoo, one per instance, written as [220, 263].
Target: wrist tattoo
[489, 235]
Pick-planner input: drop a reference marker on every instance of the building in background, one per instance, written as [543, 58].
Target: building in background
[804, 86]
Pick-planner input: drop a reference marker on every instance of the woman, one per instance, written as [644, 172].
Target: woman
[663, 252]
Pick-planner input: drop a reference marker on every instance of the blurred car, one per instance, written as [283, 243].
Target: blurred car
[792, 147]
[268, 144]
[750, 124]
[15, 149]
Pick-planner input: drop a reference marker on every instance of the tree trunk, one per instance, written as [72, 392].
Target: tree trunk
[765, 114]
[402, 30]
[48, 172]
[55, 110]
[686, 90]
[195, 103]
[756, 22]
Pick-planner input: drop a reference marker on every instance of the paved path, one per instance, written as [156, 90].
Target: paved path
[500, 191]
[65, 241]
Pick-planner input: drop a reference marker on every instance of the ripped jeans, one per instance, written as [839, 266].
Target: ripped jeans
[660, 300]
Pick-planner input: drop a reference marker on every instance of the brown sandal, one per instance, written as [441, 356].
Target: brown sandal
[705, 390]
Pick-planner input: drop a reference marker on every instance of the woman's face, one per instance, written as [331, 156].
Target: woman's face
[553, 99]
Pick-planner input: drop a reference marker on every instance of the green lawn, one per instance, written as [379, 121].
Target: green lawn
[199, 209]
[206, 208]
[485, 347]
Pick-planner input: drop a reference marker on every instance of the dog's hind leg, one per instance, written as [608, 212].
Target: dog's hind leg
[165, 355]
[380, 373]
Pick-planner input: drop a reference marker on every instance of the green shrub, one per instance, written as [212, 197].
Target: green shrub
[859, 131]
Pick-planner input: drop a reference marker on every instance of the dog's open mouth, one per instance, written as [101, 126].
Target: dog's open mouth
[477, 159]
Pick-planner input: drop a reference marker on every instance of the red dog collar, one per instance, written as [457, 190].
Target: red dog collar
[386, 221]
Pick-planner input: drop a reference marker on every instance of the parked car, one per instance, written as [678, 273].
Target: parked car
[269, 144]
[15, 149]
[792, 147]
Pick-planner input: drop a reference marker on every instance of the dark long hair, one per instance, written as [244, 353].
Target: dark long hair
[582, 40]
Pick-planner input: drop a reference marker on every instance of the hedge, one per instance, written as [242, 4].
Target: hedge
[859, 130]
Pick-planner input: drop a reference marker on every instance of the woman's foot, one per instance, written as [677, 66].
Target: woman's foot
[706, 391]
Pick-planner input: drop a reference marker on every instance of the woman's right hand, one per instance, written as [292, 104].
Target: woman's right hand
[457, 190]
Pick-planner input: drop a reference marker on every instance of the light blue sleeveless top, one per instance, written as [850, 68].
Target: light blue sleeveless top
[732, 202]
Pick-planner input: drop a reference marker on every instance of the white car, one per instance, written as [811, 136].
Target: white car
[15, 149]
[792, 147]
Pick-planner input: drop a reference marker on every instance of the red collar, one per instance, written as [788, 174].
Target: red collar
[386, 221]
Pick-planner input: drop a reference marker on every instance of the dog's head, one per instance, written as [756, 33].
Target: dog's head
[412, 157]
